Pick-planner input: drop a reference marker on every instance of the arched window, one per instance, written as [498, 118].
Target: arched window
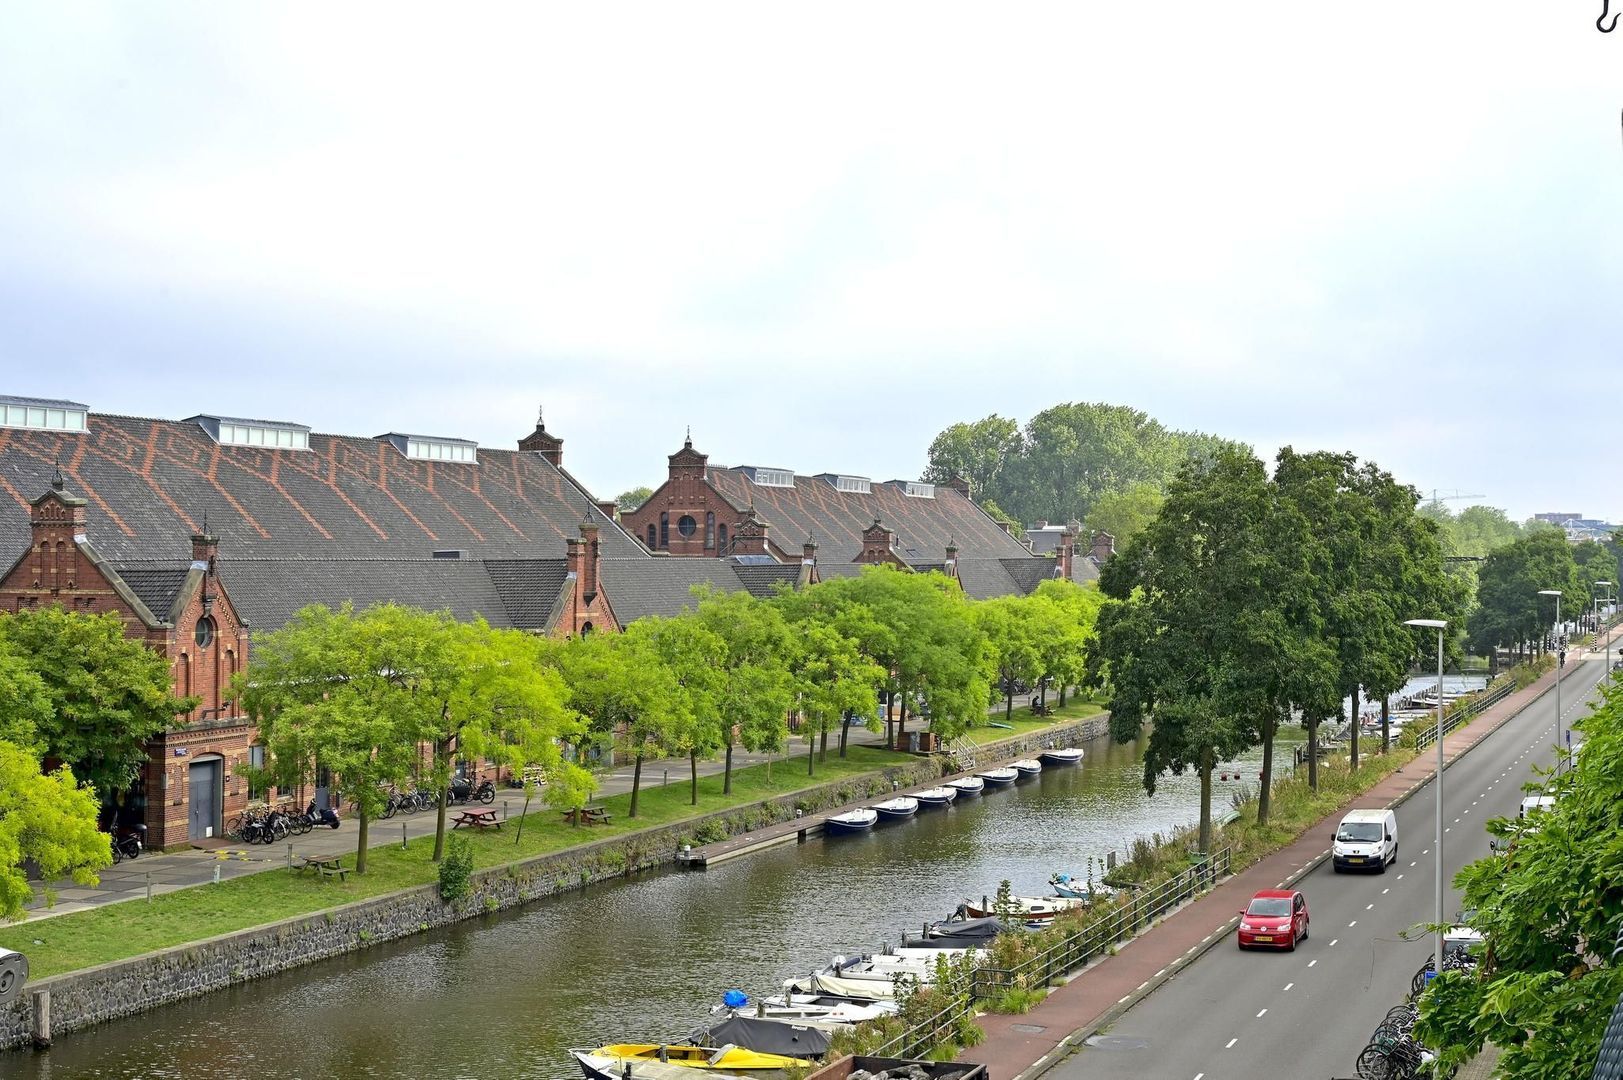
[687, 526]
[204, 635]
[185, 679]
[664, 529]
[586, 629]
[710, 529]
[653, 541]
[721, 537]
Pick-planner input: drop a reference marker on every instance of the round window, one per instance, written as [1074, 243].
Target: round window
[205, 632]
[686, 525]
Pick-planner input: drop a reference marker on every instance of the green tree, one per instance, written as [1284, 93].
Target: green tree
[695, 658]
[754, 692]
[875, 642]
[830, 679]
[1509, 610]
[1076, 452]
[342, 690]
[977, 452]
[1071, 634]
[1124, 513]
[25, 703]
[1010, 625]
[49, 819]
[1548, 904]
[107, 694]
[628, 501]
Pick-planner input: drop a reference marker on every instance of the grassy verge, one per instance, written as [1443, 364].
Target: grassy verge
[118, 931]
[1024, 723]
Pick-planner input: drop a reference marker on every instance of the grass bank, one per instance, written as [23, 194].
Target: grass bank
[118, 931]
[1024, 723]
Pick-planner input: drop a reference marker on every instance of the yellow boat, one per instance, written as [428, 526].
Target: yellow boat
[676, 1061]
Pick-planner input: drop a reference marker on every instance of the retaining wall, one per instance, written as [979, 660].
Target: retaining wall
[122, 988]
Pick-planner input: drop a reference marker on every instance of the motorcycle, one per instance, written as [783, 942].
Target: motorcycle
[128, 842]
[464, 792]
[326, 816]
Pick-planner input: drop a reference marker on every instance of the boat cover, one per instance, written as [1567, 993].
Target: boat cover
[766, 1036]
[960, 934]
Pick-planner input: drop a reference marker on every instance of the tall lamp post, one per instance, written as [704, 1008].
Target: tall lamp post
[1438, 625]
[1560, 662]
[1606, 637]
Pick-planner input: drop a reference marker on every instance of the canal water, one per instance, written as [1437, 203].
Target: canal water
[642, 958]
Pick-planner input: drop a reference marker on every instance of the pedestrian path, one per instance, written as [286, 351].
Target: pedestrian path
[1025, 1046]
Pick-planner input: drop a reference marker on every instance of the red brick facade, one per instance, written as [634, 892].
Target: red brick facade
[687, 516]
[199, 633]
[587, 608]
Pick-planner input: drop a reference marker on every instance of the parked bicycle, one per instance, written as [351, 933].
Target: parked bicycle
[128, 842]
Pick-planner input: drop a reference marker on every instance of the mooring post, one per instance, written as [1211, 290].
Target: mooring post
[42, 1018]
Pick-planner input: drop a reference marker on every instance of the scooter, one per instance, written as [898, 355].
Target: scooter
[128, 842]
[327, 816]
[463, 792]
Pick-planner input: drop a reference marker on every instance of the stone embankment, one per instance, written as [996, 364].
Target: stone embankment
[80, 999]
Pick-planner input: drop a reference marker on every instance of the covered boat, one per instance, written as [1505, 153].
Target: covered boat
[958, 933]
[1026, 767]
[768, 1035]
[853, 821]
[967, 785]
[1069, 755]
[1025, 908]
[936, 796]
[903, 806]
[999, 777]
[678, 1061]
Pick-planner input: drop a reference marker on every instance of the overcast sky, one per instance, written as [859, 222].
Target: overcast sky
[820, 234]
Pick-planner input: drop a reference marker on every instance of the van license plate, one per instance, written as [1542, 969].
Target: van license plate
[1355, 858]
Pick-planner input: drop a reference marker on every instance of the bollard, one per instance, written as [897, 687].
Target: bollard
[290, 853]
[216, 873]
[667, 780]
[42, 1019]
[504, 809]
[149, 886]
[403, 835]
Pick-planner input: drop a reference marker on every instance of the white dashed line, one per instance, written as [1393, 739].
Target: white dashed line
[1262, 1014]
[1333, 942]
[1232, 1041]
[1352, 924]
[1385, 891]
[1369, 907]
[1400, 877]
[1288, 986]
[1310, 963]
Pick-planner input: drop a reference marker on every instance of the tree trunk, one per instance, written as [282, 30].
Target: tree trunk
[1008, 702]
[1352, 710]
[1206, 801]
[693, 777]
[1265, 793]
[361, 831]
[811, 751]
[822, 752]
[1062, 689]
[727, 777]
[1313, 753]
[901, 722]
[442, 754]
[636, 785]
[845, 731]
[1386, 722]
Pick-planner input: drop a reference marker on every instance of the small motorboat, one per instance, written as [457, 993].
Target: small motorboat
[769, 1035]
[999, 777]
[1068, 755]
[903, 806]
[679, 1061]
[1070, 888]
[852, 821]
[930, 798]
[958, 933]
[1034, 909]
[967, 786]
[822, 1008]
[1026, 767]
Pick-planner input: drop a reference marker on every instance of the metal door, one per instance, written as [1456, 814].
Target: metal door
[323, 792]
[204, 819]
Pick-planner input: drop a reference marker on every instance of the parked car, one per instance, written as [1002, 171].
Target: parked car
[1275, 919]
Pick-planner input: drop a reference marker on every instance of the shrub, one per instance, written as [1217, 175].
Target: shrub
[456, 869]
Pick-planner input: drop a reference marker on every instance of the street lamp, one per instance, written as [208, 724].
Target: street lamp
[1438, 625]
[1599, 629]
[1560, 662]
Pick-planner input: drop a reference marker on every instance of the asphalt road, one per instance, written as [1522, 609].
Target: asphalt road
[1235, 1015]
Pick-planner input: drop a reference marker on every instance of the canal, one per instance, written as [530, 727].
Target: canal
[641, 958]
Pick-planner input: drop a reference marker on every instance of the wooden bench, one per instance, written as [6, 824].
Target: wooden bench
[587, 815]
[324, 868]
[479, 819]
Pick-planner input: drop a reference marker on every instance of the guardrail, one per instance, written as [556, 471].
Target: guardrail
[1130, 915]
[1425, 736]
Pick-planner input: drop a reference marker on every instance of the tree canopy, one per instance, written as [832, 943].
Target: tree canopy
[47, 818]
[1509, 609]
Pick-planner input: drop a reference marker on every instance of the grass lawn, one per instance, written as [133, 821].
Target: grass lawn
[1024, 723]
[117, 931]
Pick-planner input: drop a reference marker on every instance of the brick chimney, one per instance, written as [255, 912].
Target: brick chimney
[876, 544]
[609, 508]
[952, 559]
[808, 551]
[588, 556]
[960, 485]
[808, 564]
[1104, 546]
[204, 548]
[542, 442]
[1065, 554]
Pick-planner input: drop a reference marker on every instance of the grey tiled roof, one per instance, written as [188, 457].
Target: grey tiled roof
[150, 484]
[268, 592]
[638, 588]
[983, 579]
[529, 588]
[155, 583]
[1027, 574]
[764, 581]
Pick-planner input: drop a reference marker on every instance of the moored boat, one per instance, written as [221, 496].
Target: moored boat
[1068, 755]
[999, 777]
[1070, 888]
[930, 798]
[1026, 767]
[1024, 908]
[903, 806]
[676, 1061]
[822, 1008]
[958, 933]
[852, 821]
[967, 786]
[769, 1035]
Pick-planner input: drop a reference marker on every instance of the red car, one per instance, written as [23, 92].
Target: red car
[1275, 918]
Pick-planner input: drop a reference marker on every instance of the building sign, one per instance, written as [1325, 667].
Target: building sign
[180, 751]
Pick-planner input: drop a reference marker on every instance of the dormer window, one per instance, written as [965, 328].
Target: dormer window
[915, 490]
[851, 485]
[42, 413]
[781, 478]
[269, 434]
[434, 448]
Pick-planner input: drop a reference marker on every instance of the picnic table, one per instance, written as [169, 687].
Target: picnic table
[479, 819]
[324, 868]
[588, 815]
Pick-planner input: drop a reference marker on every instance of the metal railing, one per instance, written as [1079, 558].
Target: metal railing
[1473, 707]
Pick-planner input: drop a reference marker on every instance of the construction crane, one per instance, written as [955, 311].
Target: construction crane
[1438, 496]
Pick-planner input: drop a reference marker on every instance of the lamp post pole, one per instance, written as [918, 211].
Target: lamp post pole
[1437, 944]
[1560, 657]
[1599, 629]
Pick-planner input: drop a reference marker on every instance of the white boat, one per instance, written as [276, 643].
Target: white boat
[903, 806]
[1026, 767]
[852, 821]
[1069, 755]
[999, 777]
[1069, 887]
[870, 978]
[819, 1009]
[1025, 908]
[967, 786]
[936, 796]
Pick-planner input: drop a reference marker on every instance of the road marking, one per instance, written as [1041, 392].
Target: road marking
[1411, 864]
[1262, 1014]
[1160, 973]
[1448, 828]
[1199, 1075]
[1351, 925]
[1456, 821]
[1120, 1000]
[1310, 963]
[1333, 942]
[1232, 1041]
[1289, 985]
[1369, 907]
[1385, 891]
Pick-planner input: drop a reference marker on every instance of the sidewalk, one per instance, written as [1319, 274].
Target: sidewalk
[1025, 1046]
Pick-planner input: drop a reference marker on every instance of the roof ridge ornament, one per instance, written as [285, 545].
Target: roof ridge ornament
[57, 480]
[1605, 9]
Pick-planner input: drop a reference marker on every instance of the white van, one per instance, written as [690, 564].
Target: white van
[1535, 804]
[1365, 840]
